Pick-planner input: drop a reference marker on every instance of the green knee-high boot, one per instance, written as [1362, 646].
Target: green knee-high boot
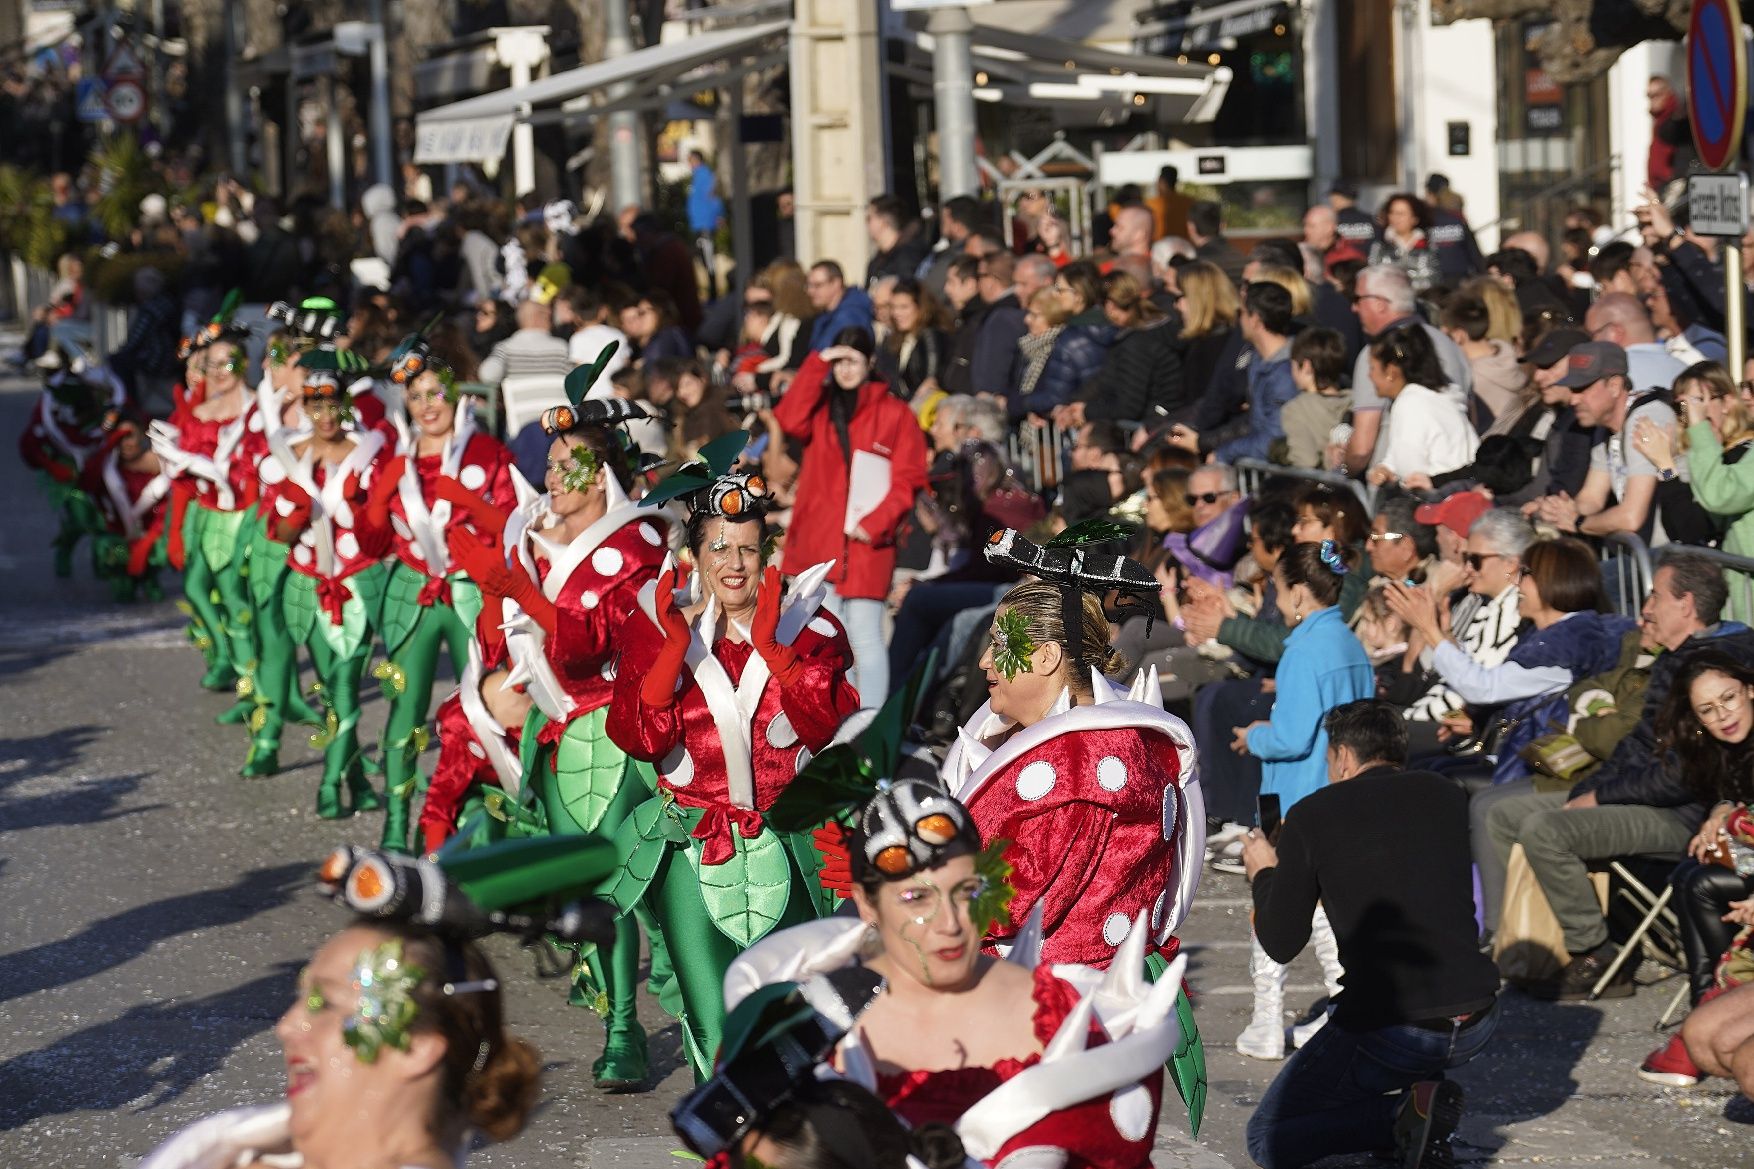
[238, 612]
[276, 659]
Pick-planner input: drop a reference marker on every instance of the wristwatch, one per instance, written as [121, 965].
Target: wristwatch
[1666, 475]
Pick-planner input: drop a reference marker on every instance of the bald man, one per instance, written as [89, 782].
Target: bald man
[1131, 233]
[1534, 243]
[1321, 228]
[1620, 318]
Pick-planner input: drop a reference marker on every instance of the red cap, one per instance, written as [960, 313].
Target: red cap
[1456, 512]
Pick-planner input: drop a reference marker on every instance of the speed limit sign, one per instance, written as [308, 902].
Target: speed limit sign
[127, 101]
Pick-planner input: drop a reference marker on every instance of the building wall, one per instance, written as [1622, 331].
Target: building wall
[1456, 74]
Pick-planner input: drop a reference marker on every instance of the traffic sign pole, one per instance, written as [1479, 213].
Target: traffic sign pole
[1717, 85]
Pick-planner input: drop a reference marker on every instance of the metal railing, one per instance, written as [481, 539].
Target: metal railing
[1626, 572]
[1252, 473]
[101, 334]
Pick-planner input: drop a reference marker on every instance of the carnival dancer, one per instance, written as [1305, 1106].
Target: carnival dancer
[210, 449]
[1096, 787]
[581, 554]
[729, 697]
[335, 588]
[1062, 1060]
[64, 432]
[129, 489]
[426, 494]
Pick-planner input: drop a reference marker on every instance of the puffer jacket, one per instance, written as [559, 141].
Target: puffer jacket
[1078, 355]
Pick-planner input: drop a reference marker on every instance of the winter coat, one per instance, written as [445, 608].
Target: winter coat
[854, 309]
[1500, 386]
[1586, 643]
[1078, 355]
[1141, 378]
[1270, 387]
[883, 425]
[1324, 666]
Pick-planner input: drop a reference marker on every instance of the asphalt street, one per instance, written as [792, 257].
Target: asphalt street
[158, 908]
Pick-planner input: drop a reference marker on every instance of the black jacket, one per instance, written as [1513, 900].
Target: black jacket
[958, 374]
[927, 360]
[1140, 379]
[994, 368]
[1637, 773]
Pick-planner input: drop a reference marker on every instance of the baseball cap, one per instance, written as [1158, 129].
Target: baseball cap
[1553, 346]
[1592, 361]
[1456, 512]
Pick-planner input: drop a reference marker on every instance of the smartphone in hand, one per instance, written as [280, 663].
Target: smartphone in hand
[1268, 816]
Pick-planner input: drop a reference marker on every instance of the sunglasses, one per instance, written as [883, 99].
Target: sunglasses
[1204, 497]
[1476, 560]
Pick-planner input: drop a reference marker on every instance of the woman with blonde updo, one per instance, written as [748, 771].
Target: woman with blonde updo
[403, 1075]
[1093, 785]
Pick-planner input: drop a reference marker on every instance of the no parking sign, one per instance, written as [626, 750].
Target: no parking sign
[1717, 81]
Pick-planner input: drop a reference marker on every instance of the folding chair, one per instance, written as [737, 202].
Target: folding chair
[1658, 933]
[523, 398]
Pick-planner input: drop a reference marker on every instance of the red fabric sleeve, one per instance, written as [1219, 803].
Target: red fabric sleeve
[823, 697]
[645, 732]
[1067, 839]
[907, 476]
[796, 409]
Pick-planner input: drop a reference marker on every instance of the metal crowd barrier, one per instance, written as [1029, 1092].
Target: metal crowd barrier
[1251, 473]
[1036, 452]
[1626, 572]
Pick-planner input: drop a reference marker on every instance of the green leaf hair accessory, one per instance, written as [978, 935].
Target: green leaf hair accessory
[582, 472]
[1013, 647]
[992, 905]
[386, 1010]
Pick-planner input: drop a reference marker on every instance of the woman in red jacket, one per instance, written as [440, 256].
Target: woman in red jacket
[850, 504]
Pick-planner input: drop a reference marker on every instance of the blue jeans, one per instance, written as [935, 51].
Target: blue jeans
[1338, 1092]
[862, 618]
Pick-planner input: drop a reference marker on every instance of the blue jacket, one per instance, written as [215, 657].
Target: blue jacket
[1323, 667]
[705, 208]
[854, 309]
[1270, 387]
[1587, 644]
[1078, 355]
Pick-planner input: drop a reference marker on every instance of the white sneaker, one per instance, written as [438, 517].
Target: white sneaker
[1228, 865]
[1232, 831]
[1262, 1039]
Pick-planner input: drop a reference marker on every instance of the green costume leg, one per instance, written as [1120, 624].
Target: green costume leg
[591, 788]
[230, 575]
[409, 675]
[198, 586]
[702, 955]
[277, 660]
[1187, 1067]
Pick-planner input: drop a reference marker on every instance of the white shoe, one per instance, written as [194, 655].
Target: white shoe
[1231, 866]
[1302, 1033]
[1232, 831]
[1263, 1039]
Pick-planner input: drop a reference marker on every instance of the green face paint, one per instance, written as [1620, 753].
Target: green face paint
[1012, 645]
[386, 1009]
[992, 903]
[923, 901]
[580, 471]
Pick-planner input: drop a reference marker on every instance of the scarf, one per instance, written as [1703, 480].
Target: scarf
[1035, 357]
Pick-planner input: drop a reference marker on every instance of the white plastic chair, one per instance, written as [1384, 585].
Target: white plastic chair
[523, 398]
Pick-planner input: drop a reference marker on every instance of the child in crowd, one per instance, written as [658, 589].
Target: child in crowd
[1318, 359]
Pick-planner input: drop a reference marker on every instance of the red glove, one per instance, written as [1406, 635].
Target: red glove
[782, 660]
[490, 520]
[659, 687]
[285, 529]
[836, 873]
[489, 570]
[377, 503]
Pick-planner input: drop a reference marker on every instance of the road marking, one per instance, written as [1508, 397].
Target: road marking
[123, 630]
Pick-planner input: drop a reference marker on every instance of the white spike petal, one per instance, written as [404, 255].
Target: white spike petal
[1154, 688]
[1136, 692]
[1063, 703]
[1026, 948]
[1100, 690]
[1074, 1034]
[857, 1062]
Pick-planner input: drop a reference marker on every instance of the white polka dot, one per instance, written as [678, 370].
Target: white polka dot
[202, 486]
[348, 545]
[607, 561]
[589, 599]
[1111, 773]
[650, 535]
[1034, 1157]
[678, 769]
[308, 538]
[1171, 811]
[415, 552]
[283, 507]
[1036, 780]
[402, 528]
[271, 471]
[1158, 909]
[1132, 1112]
[472, 477]
[780, 732]
[821, 625]
[302, 554]
[804, 757]
[255, 422]
[475, 750]
[608, 670]
[1115, 928]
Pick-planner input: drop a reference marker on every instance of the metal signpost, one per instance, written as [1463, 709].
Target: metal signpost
[1717, 99]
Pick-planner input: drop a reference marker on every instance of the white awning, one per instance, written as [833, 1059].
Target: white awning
[647, 68]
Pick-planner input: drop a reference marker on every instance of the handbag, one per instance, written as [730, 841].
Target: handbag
[1530, 945]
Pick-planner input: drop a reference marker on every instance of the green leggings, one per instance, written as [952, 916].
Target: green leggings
[428, 629]
[213, 579]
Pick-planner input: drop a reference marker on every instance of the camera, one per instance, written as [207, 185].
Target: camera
[751, 403]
